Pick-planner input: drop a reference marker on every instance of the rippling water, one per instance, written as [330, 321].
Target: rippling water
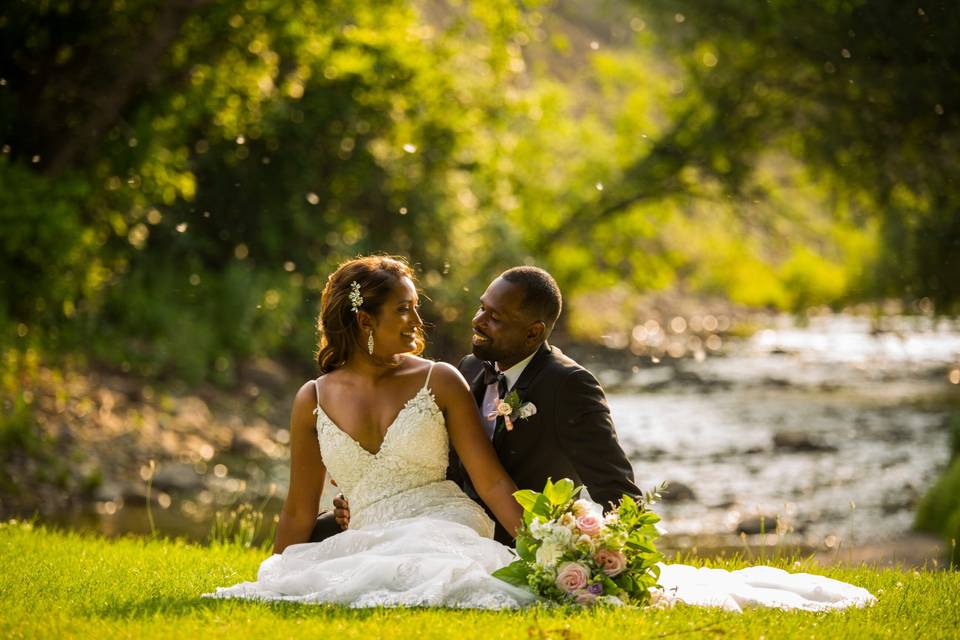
[872, 406]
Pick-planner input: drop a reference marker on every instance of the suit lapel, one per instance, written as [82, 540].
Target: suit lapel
[533, 368]
[529, 374]
[478, 389]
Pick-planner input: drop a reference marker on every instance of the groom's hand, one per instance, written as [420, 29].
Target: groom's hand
[341, 511]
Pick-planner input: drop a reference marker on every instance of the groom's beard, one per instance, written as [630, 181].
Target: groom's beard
[485, 352]
[488, 352]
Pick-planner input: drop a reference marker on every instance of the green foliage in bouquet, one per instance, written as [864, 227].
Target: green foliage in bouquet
[570, 553]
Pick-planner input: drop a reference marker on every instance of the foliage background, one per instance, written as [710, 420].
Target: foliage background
[177, 178]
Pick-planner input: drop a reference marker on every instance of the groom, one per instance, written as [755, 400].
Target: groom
[570, 433]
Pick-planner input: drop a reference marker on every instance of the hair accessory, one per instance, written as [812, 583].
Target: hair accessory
[356, 300]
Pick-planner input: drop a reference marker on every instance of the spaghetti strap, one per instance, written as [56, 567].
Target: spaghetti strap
[429, 371]
[316, 387]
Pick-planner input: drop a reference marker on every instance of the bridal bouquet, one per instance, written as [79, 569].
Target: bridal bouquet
[570, 553]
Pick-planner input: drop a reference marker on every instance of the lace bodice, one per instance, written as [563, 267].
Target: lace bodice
[413, 454]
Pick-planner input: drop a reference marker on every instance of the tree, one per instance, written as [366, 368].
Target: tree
[864, 94]
[191, 168]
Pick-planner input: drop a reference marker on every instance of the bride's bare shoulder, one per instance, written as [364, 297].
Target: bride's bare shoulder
[412, 363]
[445, 380]
[305, 401]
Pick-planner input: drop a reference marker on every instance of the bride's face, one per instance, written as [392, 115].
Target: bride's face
[398, 323]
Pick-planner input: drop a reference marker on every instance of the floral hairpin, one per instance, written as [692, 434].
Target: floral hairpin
[356, 300]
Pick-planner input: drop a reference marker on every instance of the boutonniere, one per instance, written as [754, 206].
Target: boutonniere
[510, 408]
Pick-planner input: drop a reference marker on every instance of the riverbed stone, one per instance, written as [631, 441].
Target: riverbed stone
[902, 500]
[136, 494]
[801, 442]
[646, 453]
[177, 477]
[107, 491]
[757, 523]
[678, 492]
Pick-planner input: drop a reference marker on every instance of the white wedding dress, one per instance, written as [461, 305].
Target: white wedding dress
[415, 539]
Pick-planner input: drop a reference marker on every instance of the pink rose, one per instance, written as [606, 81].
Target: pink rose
[590, 524]
[611, 562]
[572, 576]
[584, 598]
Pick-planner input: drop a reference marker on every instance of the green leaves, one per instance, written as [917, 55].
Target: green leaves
[515, 573]
[533, 502]
[526, 548]
[554, 499]
[560, 493]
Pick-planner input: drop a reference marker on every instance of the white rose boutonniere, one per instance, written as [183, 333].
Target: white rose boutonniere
[511, 409]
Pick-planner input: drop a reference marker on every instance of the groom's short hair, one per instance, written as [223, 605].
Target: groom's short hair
[541, 295]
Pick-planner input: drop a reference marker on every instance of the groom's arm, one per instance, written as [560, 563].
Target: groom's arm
[586, 434]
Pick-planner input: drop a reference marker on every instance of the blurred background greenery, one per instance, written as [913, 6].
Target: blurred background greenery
[178, 177]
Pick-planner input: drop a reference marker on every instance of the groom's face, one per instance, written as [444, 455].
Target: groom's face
[503, 332]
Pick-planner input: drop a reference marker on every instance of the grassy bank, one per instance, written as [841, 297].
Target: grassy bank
[56, 584]
[939, 511]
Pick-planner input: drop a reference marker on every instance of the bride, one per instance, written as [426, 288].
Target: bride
[380, 420]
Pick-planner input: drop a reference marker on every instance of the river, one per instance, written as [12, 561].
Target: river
[832, 427]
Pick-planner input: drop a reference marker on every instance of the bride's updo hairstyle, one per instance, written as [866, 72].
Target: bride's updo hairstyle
[337, 324]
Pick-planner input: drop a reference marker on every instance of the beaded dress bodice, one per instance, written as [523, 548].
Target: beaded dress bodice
[406, 477]
[413, 454]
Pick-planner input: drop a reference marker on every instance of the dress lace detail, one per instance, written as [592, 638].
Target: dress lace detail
[413, 454]
[415, 539]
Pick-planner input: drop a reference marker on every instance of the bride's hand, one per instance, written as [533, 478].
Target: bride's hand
[341, 511]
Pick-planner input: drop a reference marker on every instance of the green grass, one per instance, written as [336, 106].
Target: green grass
[55, 584]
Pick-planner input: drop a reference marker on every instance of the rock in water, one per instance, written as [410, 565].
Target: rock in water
[800, 442]
[177, 477]
[678, 492]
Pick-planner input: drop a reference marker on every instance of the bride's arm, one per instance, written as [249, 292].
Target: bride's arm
[491, 481]
[300, 509]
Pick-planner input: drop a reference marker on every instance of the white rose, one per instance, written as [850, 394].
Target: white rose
[526, 410]
[582, 507]
[560, 535]
[538, 530]
[568, 520]
[585, 541]
[610, 600]
[548, 554]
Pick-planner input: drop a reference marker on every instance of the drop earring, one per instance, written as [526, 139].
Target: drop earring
[370, 343]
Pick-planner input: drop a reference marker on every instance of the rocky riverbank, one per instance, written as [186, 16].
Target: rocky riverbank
[100, 441]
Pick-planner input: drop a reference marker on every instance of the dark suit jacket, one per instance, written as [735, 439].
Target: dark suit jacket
[570, 436]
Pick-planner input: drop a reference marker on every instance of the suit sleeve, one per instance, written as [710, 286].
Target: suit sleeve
[455, 472]
[586, 434]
